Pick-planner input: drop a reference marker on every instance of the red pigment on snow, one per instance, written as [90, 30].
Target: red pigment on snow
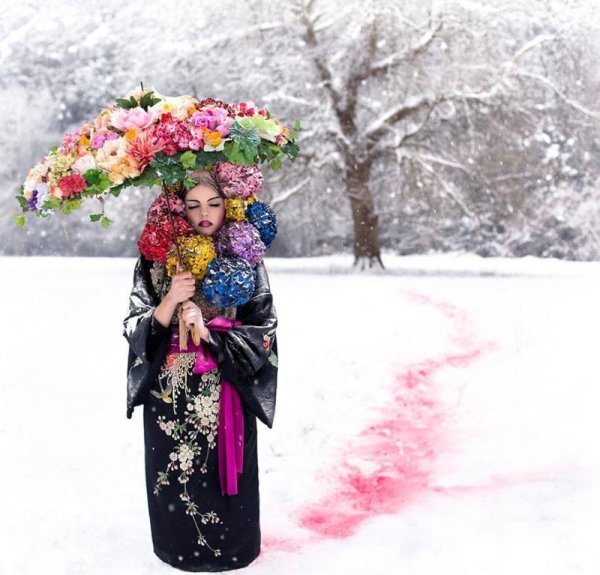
[390, 463]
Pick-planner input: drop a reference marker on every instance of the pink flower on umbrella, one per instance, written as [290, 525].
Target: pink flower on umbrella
[133, 119]
[213, 118]
[70, 141]
[101, 137]
[175, 134]
[144, 150]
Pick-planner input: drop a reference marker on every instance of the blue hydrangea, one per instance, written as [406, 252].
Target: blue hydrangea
[229, 281]
[263, 218]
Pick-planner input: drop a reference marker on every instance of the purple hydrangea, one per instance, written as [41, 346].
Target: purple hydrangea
[241, 240]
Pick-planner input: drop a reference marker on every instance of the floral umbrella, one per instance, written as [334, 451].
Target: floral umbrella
[150, 139]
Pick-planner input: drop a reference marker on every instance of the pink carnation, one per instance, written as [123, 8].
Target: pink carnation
[175, 134]
[70, 141]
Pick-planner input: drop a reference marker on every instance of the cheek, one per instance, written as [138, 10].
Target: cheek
[220, 215]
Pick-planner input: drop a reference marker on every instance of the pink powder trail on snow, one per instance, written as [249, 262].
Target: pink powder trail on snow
[391, 462]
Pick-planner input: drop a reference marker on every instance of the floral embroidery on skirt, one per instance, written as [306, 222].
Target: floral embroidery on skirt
[200, 420]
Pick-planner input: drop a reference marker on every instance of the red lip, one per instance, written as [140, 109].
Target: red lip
[205, 223]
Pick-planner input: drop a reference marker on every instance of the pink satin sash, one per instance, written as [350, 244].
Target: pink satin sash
[230, 435]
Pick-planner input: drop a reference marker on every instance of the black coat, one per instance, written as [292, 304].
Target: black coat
[242, 354]
[194, 526]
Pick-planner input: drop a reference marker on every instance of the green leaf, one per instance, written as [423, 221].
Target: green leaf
[97, 182]
[207, 159]
[70, 206]
[146, 178]
[51, 204]
[189, 183]
[273, 359]
[20, 221]
[95, 217]
[127, 104]
[297, 125]
[188, 160]
[148, 100]
[275, 164]
[22, 202]
[105, 222]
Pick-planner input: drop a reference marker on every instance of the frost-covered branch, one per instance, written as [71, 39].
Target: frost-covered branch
[445, 186]
[291, 192]
[543, 80]
[402, 55]
[398, 113]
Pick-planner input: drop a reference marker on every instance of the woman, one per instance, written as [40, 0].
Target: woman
[199, 521]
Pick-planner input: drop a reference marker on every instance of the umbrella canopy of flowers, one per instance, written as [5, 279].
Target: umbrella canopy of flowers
[149, 139]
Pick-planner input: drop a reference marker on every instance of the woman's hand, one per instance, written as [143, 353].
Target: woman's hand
[192, 314]
[182, 287]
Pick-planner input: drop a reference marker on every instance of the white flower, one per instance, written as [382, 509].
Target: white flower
[180, 107]
[209, 148]
[84, 163]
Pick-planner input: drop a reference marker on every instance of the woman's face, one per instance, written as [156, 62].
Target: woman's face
[205, 209]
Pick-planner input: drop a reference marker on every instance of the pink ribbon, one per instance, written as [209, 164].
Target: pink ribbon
[230, 436]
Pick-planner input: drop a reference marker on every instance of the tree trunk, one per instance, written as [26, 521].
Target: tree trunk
[366, 225]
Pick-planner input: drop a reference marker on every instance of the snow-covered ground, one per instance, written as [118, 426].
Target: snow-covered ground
[437, 418]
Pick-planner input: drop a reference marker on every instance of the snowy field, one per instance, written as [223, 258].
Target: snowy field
[438, 418]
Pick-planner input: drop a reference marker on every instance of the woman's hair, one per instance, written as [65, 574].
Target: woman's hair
[204, 178]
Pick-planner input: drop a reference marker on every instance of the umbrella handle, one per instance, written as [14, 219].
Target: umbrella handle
[183, 329]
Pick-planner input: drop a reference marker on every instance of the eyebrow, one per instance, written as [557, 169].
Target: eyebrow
[209, 199]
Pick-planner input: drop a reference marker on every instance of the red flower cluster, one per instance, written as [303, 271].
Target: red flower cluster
[71, 185]
[174, 133]
[157, 238]
[244, 110]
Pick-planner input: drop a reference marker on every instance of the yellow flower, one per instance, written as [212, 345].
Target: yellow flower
[213, 138]
[235, 209]
[130, 135]
[197, 252]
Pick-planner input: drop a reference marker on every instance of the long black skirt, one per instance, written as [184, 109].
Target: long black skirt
[195, 527]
